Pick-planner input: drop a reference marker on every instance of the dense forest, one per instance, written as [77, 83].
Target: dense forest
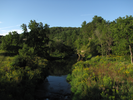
[104, 64]
[99, 37]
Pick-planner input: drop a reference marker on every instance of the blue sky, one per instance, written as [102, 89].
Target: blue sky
[64, 13]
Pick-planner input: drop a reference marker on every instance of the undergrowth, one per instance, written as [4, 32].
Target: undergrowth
[19, 82]
[102, 78]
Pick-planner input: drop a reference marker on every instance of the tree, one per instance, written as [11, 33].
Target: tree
[102, 36]
[15, 37]
[99, 35]
[6, 41]
[26, 51]
[37, 38]
[11, 42]
[123, 30]
[97, 20]
[100, 41]
[25, 31]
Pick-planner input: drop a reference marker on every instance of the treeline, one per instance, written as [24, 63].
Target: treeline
[42, 39]
[66, 35]
[98, 37]
[106, 37]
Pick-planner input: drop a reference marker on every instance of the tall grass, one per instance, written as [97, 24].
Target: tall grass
[102, 78]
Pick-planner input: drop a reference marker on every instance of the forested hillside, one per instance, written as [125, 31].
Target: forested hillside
[99, 37]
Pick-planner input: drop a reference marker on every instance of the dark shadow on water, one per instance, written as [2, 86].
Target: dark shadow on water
[61, 67]
[55, 86]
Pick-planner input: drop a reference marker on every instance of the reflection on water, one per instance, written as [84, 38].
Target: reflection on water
[58, 84]
[55, 86]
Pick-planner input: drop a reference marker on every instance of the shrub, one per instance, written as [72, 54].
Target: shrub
[26, 51]
[104, 78]
[69, 77]
[19, 61]
[18, 83]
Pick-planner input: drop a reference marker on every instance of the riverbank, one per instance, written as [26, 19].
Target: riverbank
[19, 82]
[20, 77]
[56, 86]
[102, 78]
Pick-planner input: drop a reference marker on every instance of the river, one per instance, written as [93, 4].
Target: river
[55, 86]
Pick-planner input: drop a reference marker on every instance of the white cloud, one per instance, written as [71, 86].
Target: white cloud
[5, 32]
[18, 30]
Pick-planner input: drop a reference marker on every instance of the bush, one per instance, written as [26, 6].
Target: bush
[19, 61]
[26, 51]
[69, 77]
[104, 78]
[88, 56]
[18, 80]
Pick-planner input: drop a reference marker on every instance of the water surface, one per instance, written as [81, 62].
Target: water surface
[55, 86]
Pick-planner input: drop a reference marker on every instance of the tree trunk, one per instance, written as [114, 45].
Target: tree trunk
[78, 57]
[102, 49]
[130, 53]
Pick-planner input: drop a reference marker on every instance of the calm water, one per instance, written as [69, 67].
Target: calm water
[55, 86]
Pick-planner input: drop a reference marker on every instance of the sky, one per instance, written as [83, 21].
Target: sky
[59, 13]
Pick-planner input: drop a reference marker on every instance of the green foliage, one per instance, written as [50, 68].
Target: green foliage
[11, 42]
[87, 57]
[36, 38]
[19, 61]
[96, 78]
[121, 48]
[25, 55]
[69, 78]
[58, 49]
[122, 34]
[26, 51]
[104, 78]
[103, 37]
[6, 41]
[107, 82]
[19, 83]
[65, 35]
